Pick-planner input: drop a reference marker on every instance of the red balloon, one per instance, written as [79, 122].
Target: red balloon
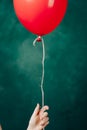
[40, 16]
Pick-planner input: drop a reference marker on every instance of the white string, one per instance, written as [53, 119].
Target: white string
[42, 80]
[43, 60]
[34, 42]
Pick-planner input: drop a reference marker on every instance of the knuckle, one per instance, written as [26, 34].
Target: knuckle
[46, 113]
[47, 118]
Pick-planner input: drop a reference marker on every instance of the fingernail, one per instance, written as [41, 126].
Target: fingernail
[38, 105]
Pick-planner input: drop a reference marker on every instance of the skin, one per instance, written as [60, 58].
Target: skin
[0, 127]
[39, 119]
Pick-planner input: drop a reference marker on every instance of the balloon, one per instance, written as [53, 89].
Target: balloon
[40, 16]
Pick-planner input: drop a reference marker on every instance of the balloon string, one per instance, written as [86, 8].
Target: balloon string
[43, 60]
[42, 80]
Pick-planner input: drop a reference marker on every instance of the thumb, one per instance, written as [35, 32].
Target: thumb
[36, 110]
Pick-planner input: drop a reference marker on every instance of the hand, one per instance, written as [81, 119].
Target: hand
[39, 119]
[0, 127]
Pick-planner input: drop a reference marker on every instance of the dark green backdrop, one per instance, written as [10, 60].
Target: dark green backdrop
[65, 70]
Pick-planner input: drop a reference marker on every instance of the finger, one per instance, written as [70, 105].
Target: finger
[40, 127]
[44, 109]
[44, 121]
[46, 124]
[45, 114]
[43, 126]
[36, 110]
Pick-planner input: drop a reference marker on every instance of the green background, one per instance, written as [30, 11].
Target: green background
[65, 83]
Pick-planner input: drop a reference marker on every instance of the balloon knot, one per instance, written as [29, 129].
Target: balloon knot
[38, 39]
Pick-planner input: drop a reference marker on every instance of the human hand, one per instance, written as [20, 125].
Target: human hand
[39, 119]
[0, 127]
